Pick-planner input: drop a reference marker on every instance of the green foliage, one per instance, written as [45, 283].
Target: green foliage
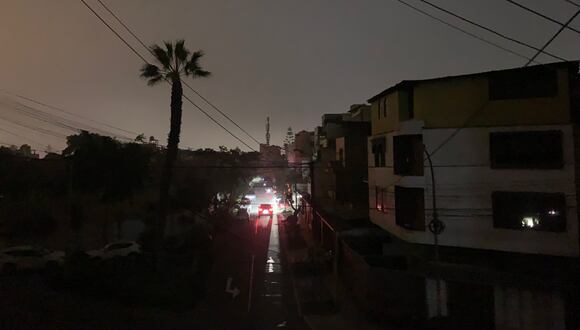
[174, 62]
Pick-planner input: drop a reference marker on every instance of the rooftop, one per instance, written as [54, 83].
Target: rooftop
[571, 65]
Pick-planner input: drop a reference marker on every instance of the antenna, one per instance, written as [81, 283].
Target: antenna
[267, 130]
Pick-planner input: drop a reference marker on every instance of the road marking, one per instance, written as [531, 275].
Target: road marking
[235, 291]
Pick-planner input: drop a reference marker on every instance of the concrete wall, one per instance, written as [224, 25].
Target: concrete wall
[389, 123]
[450, 102]
[465, 182]
[517, 308]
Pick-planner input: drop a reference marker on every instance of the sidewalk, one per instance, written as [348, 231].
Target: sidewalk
[311, 284]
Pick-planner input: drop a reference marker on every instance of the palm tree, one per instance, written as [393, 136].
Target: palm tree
[174, 61]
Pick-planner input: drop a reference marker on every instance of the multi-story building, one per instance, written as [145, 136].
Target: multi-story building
[340, 151]
[299, 157]
[505, 152]
[301, 151]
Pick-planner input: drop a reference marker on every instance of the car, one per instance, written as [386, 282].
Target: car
[118, 249]
[265, 209]
[29, 258]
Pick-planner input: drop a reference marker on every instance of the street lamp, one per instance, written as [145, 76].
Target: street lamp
[436, 227]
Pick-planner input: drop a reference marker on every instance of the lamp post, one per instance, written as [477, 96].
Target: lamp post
[436, 227]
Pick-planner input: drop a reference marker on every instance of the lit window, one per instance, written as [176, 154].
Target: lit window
[529, 210]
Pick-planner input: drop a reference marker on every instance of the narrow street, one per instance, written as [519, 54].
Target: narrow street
[247, 287]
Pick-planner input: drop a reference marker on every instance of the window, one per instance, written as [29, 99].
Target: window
[380, 199]
[410, 208]
[408, 154]
[406, 107]
[526, 83]
[341, 156]
[534, 149]
[379, 150]
[411, 103]
[529, 211]
[384, 107]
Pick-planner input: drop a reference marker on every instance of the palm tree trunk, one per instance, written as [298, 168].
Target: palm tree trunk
[170, 157]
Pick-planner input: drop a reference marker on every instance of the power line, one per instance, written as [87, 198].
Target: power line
[20, 136]
[115, 32]
[35, 128]
[464, 31]
[216, 122]
[64, 122]
[573, 3]
[145, 61]
[542, 15]
[553, 37]
[58, 121]
[491, 30]
[184, 82]
[70, 113]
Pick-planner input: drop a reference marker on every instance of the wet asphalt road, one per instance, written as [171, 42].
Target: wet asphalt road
[247, 260]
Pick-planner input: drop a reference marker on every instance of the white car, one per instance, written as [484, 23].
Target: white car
[116, 250]
[29, 258]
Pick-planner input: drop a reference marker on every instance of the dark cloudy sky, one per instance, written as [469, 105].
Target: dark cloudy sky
[290, 60]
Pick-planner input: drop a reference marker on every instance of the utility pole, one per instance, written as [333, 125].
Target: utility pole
[268, 130]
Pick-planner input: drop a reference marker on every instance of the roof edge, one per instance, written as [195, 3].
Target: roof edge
[408, 83]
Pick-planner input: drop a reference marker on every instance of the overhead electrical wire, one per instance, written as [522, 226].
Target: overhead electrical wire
[34, 128]
[20, 136]
[573, 3]
[30, 99]
[145, 61]
[553, 37]
[58, 121]
[501, 35]
[66, 123]
[496, 45]
[535, 12]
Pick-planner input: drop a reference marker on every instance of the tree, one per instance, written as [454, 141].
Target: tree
[173, 62]
[140, 138]
[25, 150]
[102, 167]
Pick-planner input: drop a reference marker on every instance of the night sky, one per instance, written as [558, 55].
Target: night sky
[290, 60]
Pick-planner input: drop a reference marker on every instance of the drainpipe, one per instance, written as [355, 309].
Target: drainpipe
[436, 227]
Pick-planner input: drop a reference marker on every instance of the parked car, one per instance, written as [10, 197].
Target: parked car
[265, 209]
[116, 250]
[29, 258]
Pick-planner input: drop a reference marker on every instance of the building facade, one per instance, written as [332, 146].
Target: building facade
[504, 147]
